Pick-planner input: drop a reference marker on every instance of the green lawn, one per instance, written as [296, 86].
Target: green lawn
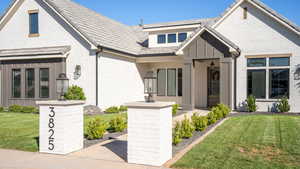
[20, 131]
[254, 141]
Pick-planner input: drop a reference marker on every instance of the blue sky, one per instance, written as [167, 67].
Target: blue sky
[131, 11]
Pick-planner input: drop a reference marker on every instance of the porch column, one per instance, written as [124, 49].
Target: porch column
[188, 99]
[226, 81]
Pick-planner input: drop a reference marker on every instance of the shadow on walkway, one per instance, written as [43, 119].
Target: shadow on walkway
[119, 147]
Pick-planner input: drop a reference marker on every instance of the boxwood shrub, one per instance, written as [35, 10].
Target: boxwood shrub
[187, 128]
[211, 118]
[96, 129]
[177, 134]
[199, 122]
[113, 109]
[15, 108]
[29, 109]
[175, 109]
[75, 93]
[117, 124]
[123, 109]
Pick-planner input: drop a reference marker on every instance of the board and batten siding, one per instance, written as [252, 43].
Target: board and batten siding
[56, 66]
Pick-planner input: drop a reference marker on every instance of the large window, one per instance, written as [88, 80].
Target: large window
[275, 71]
[44, 83]
[161, 82]
[257, 83]
[29, 83]
[179, 83]
[33, 23]
[161, 39]
[16, 83]
[171, 88]
[279, 83]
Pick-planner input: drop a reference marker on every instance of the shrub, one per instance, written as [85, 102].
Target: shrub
[187, 128]
[217, 112]
[199, 122]
[1, 109]
[224, 109]
[15, 108]
[117, 124]
[211, 118]
[251, 104]
[29, 109]
[123, 109]
[175, 109]
[112, 109]
[96, 129]
[283, 105]
[177, 134]
[75, 93]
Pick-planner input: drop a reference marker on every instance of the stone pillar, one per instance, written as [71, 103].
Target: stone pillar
[149, 133]
[61, 126]
[188, 95]
[226, 81]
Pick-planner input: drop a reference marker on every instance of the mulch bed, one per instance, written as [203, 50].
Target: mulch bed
[87, 143]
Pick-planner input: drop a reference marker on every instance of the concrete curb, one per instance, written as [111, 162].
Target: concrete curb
[188, 148]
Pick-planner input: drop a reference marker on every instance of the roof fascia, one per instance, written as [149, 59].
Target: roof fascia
[163, 28]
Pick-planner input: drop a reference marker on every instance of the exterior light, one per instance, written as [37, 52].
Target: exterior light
[150, 86]
[62, 85]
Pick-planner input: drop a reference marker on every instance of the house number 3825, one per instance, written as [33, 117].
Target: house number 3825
[51, 126]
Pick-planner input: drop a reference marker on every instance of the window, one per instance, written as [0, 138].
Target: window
[161, 39]
[276, 69]
[179, 79]
[171, 83]
[16, 83]
[257, 83]
[256, 62]
[29, 83]
[33, 23]
[172, 38]
[44, 83]
[182, 37]
[245, 13]
[161, 82]
[279, 62]
[279, 83]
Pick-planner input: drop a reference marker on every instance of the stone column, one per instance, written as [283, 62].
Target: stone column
[226, 81]
[149, 133]
[61, 126]
[188, 95]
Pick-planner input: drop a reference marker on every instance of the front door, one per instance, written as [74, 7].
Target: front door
[213, 94]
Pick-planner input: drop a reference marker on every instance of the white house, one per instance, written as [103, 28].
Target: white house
[248, 50]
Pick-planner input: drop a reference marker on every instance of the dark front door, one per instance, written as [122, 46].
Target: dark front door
[213, 78]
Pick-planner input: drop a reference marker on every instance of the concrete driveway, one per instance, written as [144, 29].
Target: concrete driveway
[110, 154]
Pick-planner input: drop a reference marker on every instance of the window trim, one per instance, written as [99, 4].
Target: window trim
[266, 72]
[12, 83]
[26, 84]
[268, 68]
[35, 11]
[269, 79]
[181, 33]
[157, 93]
[164, 36]
[40, 83]
[176, 38]
[166, 85]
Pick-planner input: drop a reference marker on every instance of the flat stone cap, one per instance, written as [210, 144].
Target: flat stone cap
[60, 103]
[153, 105]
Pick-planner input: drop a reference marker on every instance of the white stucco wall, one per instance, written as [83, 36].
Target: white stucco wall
[120, 80]
[53, 32]
[259, 34]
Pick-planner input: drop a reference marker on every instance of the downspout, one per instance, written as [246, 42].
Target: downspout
[99, 50]
[235, 78]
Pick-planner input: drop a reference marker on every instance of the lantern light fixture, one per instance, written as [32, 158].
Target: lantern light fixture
[62, 85]
[150, 86]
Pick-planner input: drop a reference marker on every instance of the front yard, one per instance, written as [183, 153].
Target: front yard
[252, 141]
[20, 131]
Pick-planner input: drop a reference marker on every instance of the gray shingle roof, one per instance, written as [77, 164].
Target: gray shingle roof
[100, 30]
[158, 51]
[35, 51]
[202, 21]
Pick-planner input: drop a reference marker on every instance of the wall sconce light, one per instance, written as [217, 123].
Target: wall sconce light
[77, 72]
[212, 64]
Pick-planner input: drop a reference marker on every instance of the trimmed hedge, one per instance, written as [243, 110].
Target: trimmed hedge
[187, 129]
[75, 93]
[113, 109]
[177, 134]
[96, 129]
[117, 124]
[1, 109]
[199, 122]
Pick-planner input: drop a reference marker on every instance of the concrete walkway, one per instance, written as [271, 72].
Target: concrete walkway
[110, 154]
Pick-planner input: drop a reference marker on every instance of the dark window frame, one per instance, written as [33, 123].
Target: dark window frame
[164, 41]
[270, 83]
[265, 84]
[40, 80]
[13, 86]
[26, 83]
[181, 33]
[175, 80]
[171, 34]
[179, 82]
[270, 64]
[249, 59]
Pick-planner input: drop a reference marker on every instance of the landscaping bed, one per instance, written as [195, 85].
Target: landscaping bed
[248, 141]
